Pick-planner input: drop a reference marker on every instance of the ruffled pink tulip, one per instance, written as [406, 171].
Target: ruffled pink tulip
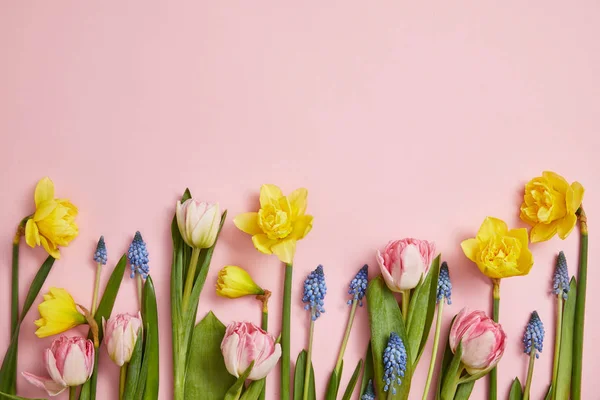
[69, 362]
[404, 262]
[245, 342]
[198, 222]
[483, 340]
[120, 335]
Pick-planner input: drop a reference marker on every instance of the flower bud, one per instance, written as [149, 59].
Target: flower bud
[234, 282]
[198, 223]
[404, 262]
[120, 335]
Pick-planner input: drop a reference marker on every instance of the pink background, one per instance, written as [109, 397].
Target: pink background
[401, 119]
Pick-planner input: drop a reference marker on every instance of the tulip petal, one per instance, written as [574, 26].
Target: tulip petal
[490, 227]
[574, 197]
[52, 368]
[263, 243]
[543, 232]
[298, 201]
[74, 369]
[44, 191]
[285, 250]
[229, 348]
[566, 225]
[413, 267]
[269, 194]
[302, 225]
[471, 248]
[476, 350]
[248, 223]
[263, 369]
[53, 388]
[32, 234]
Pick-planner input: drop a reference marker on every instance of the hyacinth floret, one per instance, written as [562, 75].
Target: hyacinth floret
[138, 257]
[314, 292]
[358, 286]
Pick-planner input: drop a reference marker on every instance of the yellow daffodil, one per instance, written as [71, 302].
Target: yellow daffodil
[234, 282]
[58, 313]
[53, 223]
[499, 252]
[280, 222]
[549, 206]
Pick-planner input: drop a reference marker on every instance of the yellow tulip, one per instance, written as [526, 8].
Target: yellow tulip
[549, 206]
[280, 222]
[234, 282]
[58, 313]
[53, 223]
[499, 252]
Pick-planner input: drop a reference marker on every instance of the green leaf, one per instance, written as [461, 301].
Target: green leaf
[14, 397]
[368, 372]
[8, 372]
[235, 390]
[105, 307]
[548, 393]
[133, 369]
[385, 317]
[516, 390]
[299, 378]
[151, 353]
[463, 392]
[254, 390]
[207, 377]
[450, 382]
[334, 383]
[446, 360]
[421, 312]
[143, 377]
[565, 363]
[353, 380]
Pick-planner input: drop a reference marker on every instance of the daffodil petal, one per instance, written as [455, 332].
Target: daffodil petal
[50, 248]
[44, 210]
[269, 194]
[248, 223]
[574, 197]
[524, 216]
[566, 225]
[543, 232]
[285, 250]
[263, 243]
[302, 225]
[556, 181]
[44, 191]
[298, 201]
[521, 235]
[525, 261]
[490, 227]
[471, 248]
[32, 234]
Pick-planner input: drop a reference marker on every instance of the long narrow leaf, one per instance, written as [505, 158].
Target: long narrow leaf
[352, 384]
[299, 378]
[150, 318]
[235, 391]
[516, 390]
[143, 377]
[450, 382]
[563, 380]
[133, 369]
[368, 373]
[334, 383]
[254, 390]
[463, 392]
[14, 397]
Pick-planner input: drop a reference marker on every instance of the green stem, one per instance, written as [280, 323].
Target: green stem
[73, 393]
[526, 394]
[189, 280]
[493, 390]
[405, 303]
[308, 359]
[96, 289]
[557, 339]
[338, 364]
[265, 326]
[436, 342]
[580, 307]
[285, 333]
[122, 380]
[14, 300]
[140, 288]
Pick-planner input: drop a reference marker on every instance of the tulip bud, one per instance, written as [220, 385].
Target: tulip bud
[120, 335]
[483, 340]
[234, 282]
[245, 342]
[404, 262]
[69, 362]
[198, 223]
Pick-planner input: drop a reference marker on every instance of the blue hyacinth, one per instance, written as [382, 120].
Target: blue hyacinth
[394, 362]
[358, 286]
[100, 256]
[560, 281]
[314, 292]
[534, 335]
[369, 393]
[444, 285]
[138, 257]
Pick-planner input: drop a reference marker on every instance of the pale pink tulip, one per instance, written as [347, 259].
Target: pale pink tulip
[245, 342]
[69, 362]
[404, 262]
[483, 340]
[198, 222]
[120, 335]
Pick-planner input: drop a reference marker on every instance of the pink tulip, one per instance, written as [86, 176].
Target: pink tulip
[404, 262]
[483, 340]
[245, 342]
[120, 335]
[69, 362]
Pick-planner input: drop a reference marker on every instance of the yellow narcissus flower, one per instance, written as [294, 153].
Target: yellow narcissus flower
[58, 313]
[234, 282]
[280, 222]
[549, 206]
[53, 223]
[499, 252]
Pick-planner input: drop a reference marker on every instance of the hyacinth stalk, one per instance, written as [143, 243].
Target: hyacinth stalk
[100, 256]
[533, 343]
[580, 307]
[138, 258]
[314, 297]
[444, 293]
[560, 287]
[394, 364]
